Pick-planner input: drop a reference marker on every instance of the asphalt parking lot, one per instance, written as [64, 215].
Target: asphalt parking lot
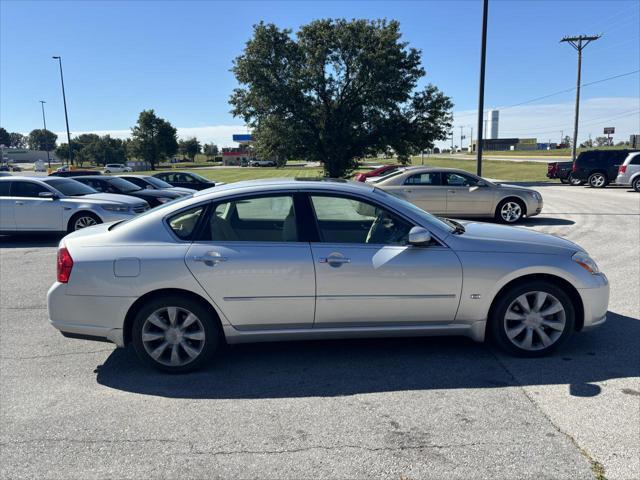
[400, 408]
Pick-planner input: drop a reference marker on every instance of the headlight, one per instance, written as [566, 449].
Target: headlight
[536, 195]
[586, 262]
[116, 208]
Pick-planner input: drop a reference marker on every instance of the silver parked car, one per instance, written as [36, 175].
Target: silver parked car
[457, 193]
[55, 204]
[629, 171]
[300, 259]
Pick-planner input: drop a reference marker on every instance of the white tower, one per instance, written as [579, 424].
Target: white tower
[493, 124]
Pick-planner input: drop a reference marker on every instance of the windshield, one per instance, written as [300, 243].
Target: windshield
[156, 182]
[70, 188]
[426, 217]
[199, 177]
[123, 185]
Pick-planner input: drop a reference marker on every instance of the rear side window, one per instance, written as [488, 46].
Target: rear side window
[430, 178]
[635, 160]
[4, 189]
[184, 223]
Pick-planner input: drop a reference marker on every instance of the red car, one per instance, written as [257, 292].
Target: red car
[378, 172]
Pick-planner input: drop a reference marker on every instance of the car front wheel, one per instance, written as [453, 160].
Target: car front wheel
[509, 211]
[83, 220]
[174, 334]
[598, 180]
[532, 319]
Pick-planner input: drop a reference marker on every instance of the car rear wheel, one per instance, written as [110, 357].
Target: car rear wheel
[532, 319]
[598, 180]
[636, 184]
[575, 181]
[564, 180]
[510, 210]
[174, 334]
[83, 220]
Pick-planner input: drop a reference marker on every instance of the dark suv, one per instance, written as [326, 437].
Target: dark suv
[598, 167]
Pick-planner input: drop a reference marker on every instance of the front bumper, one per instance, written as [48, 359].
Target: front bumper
[595, 302]
[88, 316]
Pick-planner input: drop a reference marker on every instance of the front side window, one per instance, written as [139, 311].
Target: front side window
[347, 220]
[258, 219]
[184, 223]
[459, 180]
[635, 160]
[4, 188]
[429, 178]
[27, 189]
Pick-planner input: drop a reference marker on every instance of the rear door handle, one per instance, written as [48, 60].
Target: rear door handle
[210, 258]
[19, 202]
[334, 260]
[451, 191]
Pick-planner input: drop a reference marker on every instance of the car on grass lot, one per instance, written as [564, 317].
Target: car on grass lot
[116, 168]
[376, 172]
[290, 259]
[629, 171]
[186, 180]
[457, 193]
[108, 184]
[562, 171]
[598, 168]
[53, 204]
[262, 163]
[152, 183]
[74, 173]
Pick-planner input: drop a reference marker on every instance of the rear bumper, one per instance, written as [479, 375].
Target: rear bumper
[623, 179]
[88, 316]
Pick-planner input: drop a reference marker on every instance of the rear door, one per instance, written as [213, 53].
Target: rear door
[7, 222]
[250, 260]
[31, 212]
[426, 191]
[372, 277]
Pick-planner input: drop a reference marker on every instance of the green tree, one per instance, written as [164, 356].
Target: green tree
[62, 151]
[41, 139]
[153, 139]
[337, 91]
[17, 140]
[210, 150]
[602, 141]
[4, 137]
[103, 150]
[189, 148]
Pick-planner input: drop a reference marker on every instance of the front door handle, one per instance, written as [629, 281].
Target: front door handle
[19, 202]
[210, 258]
[334, 260]
[451, 191]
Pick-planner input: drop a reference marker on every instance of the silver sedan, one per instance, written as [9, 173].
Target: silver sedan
[457, 193]
[292, 259]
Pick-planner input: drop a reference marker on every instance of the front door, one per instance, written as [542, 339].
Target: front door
[371, 277]
[32, 212]
[466, 197]
[250, 262]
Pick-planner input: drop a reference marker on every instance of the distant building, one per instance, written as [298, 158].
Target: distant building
[634, 141]
[493, 118]
[241, 155]
[20, 155]
[506, 144]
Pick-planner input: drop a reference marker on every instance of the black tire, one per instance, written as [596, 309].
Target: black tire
[564, 180]
[598, 180]
[499, 214]
[497, 327]
[636, 184]
[210, 329]
[574, 181]
[82, 218]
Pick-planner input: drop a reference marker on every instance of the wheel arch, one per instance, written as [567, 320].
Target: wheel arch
[82, 211]
[560, 282]
[141, 301]
[513, 196]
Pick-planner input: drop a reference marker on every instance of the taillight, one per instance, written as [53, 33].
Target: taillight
[65, 264]
[574, 168]
[622, 169]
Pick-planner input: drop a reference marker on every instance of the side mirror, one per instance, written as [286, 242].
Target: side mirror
[149, 187]
[48, 195]
[419, 236]
[481, 183]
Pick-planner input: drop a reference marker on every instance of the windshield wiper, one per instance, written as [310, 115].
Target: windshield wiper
[458, 228]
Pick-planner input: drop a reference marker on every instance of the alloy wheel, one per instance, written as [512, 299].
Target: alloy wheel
[511, 212]
[574, 181]
[83, 222]
[534, 321]
[597, 180]
[173, 336]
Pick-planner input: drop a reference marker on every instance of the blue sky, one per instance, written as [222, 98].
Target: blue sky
[122, 57]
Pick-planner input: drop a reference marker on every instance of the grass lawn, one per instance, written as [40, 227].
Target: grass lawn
[497, 169]
[247, 173]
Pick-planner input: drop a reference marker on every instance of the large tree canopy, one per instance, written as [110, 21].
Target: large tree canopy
[153, 138]
[338, 91]
[41, 139]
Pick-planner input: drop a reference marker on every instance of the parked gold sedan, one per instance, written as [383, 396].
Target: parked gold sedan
[457, 193]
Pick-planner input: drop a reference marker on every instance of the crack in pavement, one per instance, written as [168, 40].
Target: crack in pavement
[57, 355]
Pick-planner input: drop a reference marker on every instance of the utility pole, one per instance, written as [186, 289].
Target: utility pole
[66, 117]
[471, 139]
[461, 137]
[44, 122]
[561, 137]
[483, 59]
[578, 43]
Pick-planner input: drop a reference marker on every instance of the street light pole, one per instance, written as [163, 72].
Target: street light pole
[44, 122]
[66, 117]
[483, 58]
[578, 43]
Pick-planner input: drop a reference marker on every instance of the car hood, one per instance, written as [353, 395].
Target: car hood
[108, 197]
[514, 187]
[487, 237]
[181, 190]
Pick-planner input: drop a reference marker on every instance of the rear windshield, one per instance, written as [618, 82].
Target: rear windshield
[69, 187]
[124, 185]
[156, 182]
